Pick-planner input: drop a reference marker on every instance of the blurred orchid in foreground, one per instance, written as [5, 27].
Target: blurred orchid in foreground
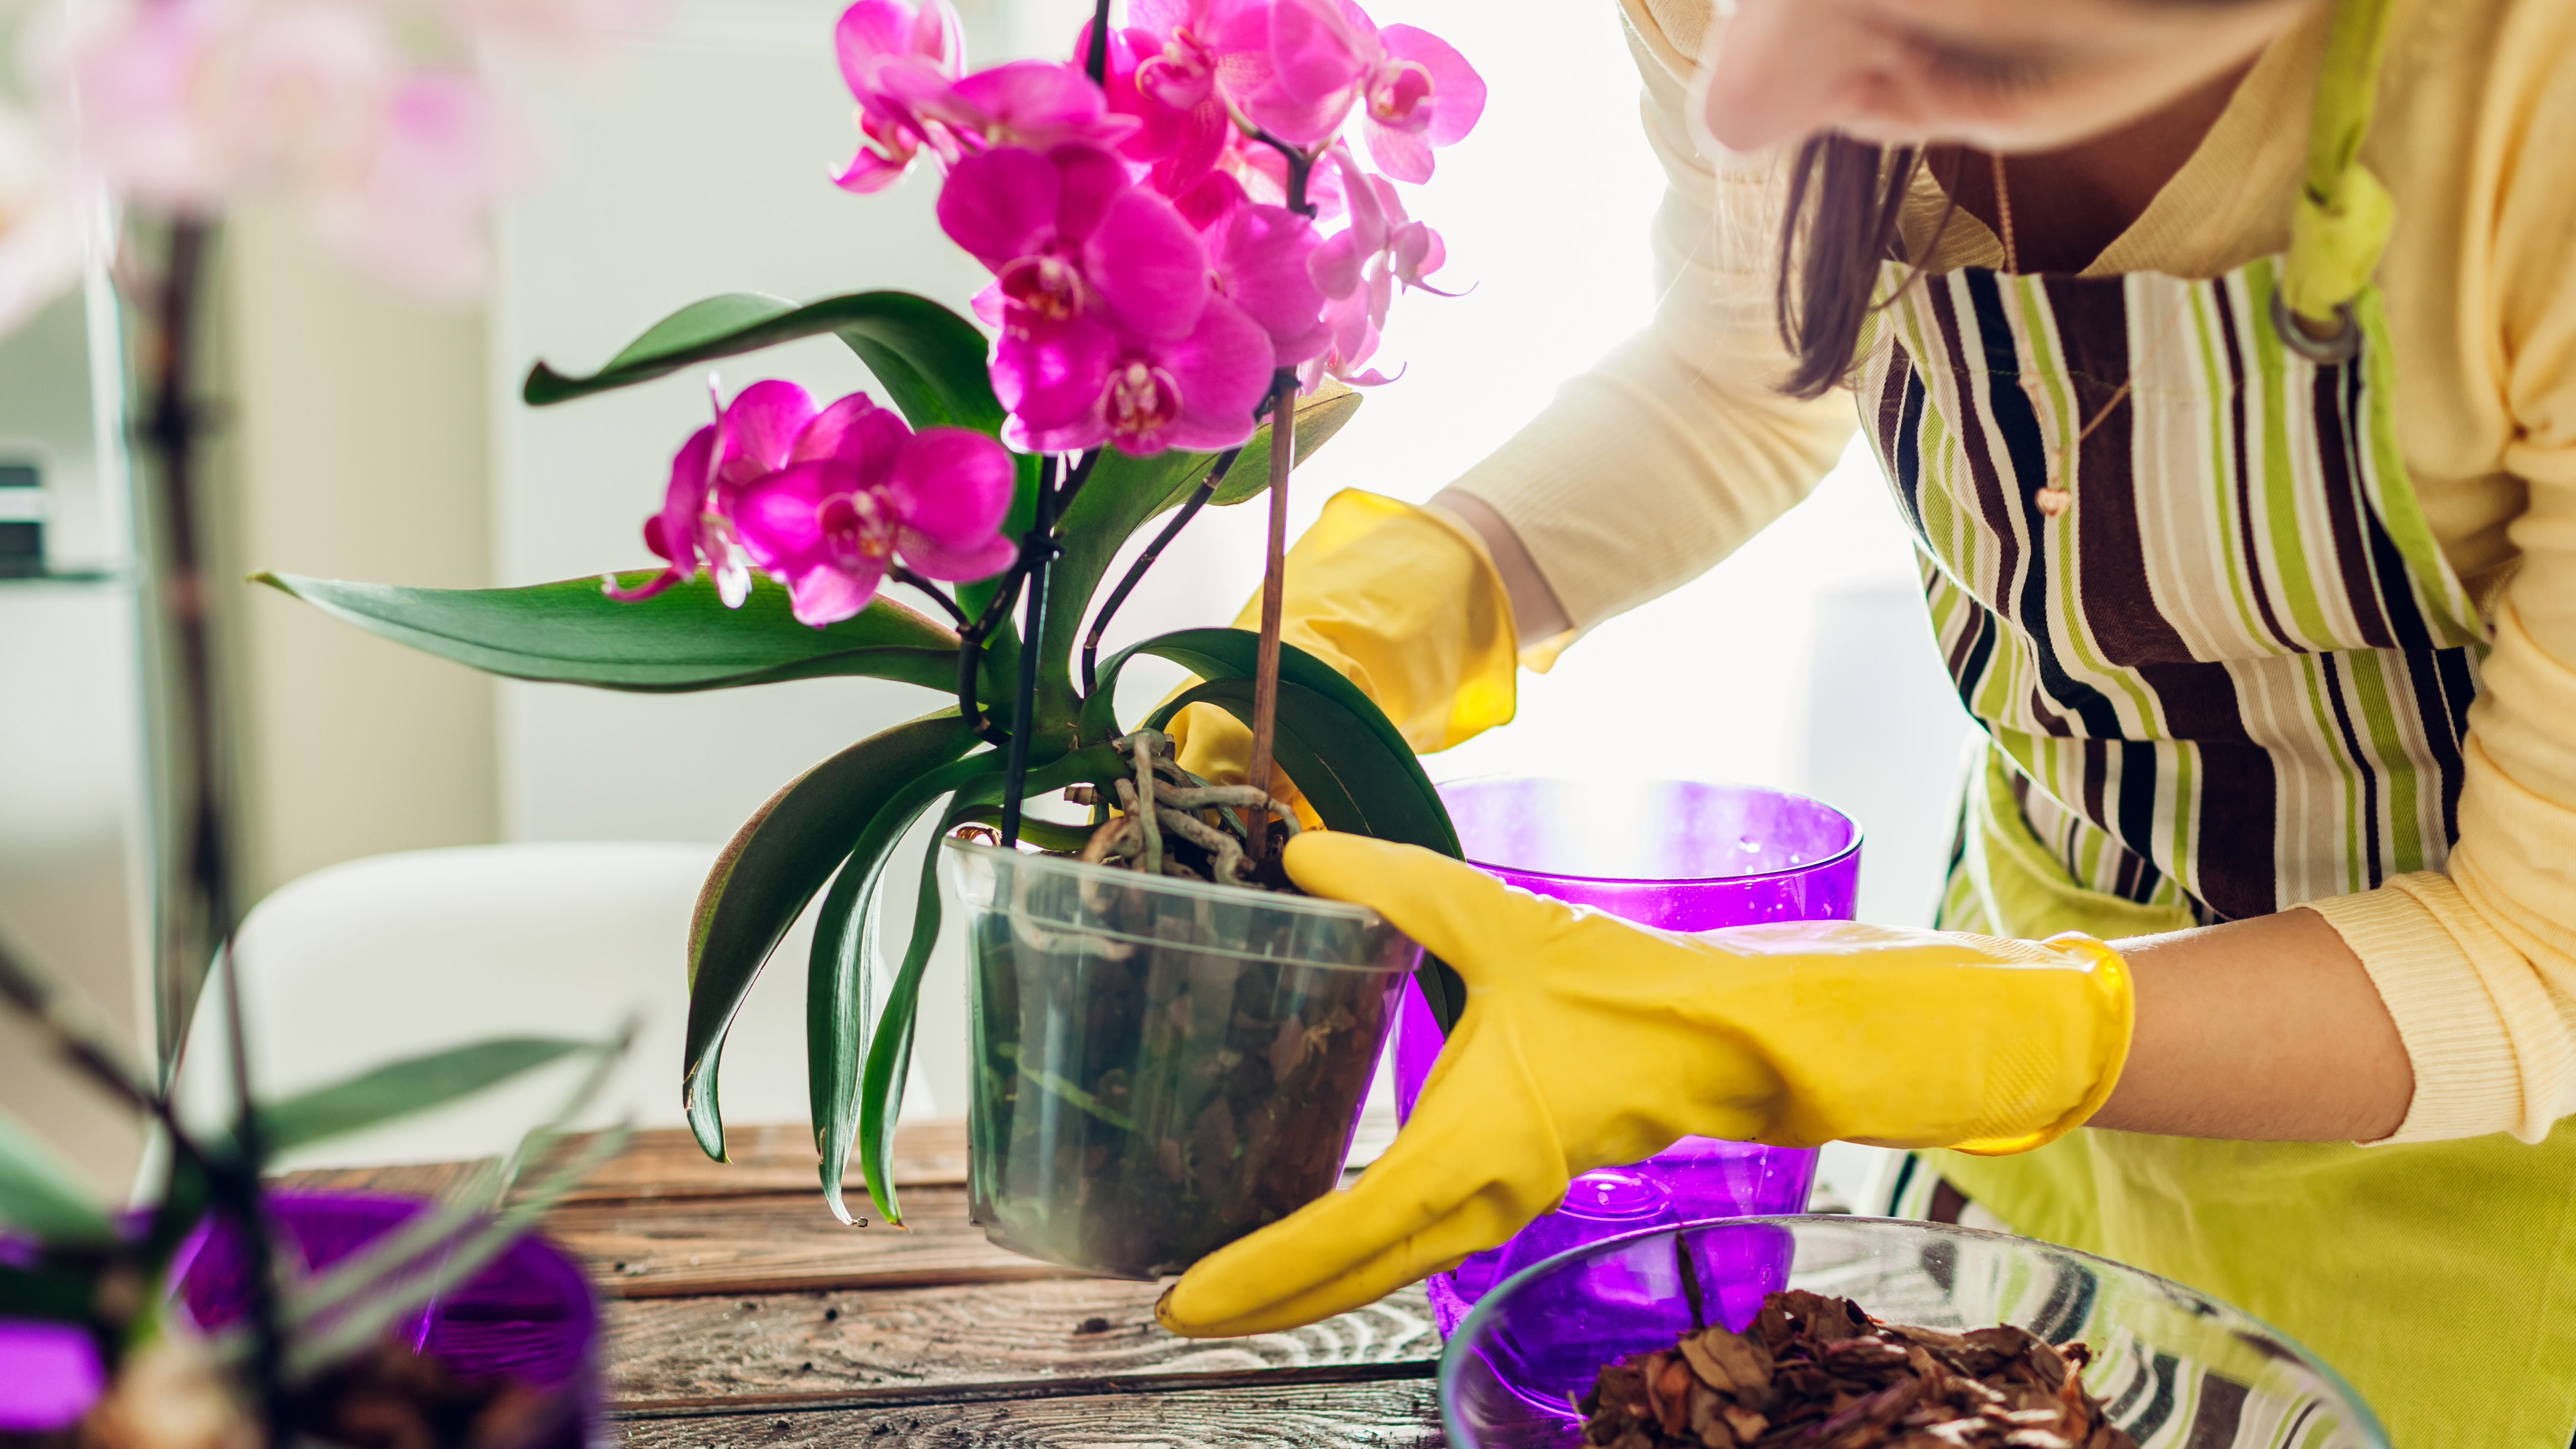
[357, 112]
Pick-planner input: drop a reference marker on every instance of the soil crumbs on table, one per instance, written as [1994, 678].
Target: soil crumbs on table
[1816, 1371]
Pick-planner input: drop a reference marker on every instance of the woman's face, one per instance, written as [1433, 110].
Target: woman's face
[1997, 75]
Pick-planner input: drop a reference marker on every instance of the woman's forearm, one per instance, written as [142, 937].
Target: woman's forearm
[1535, 609]
[2265, 1029]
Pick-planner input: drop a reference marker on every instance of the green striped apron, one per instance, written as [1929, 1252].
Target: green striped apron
[2225, 669]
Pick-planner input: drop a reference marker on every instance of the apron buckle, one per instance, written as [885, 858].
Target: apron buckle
[2334, 350]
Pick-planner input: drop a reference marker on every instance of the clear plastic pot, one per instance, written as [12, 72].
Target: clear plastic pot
[1161, 1066]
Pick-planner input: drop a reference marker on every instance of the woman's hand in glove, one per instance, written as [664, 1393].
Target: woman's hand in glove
[1588, 1041]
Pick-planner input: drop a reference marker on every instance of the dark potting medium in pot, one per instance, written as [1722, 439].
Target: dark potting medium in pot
[1161, 1066]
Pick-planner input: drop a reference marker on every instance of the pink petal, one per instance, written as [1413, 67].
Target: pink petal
[776, 519]
[952, 486]
[1148, 262]
[1458, 93]
[869, 33]
[1367, 206]
[1400, 154]
[1207, 202]
[1335, 265]
[935, 560]
[1314, 51]
[1048, 373]
[1000, 205]
[824, 594]
[761, 425]
[1262, 262]
[1223, 369]
[869, 173]
[1089, 178]
[857, 432]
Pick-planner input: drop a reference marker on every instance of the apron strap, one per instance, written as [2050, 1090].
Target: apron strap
[2343, 216]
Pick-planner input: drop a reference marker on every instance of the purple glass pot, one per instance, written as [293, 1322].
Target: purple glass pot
[1675, 854]
[528, 1315]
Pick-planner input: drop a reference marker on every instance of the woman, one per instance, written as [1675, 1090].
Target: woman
[2222, 356]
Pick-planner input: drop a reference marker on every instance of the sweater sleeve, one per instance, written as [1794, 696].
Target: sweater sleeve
[2478, 964]
[1680, 424]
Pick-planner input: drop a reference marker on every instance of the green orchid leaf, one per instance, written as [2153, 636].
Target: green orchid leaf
[929, 359]
[772, 867]
[42, 1193]
[1125, 493]
[839, 975]
[890, 1053]
[400, 1088]
[680, 640]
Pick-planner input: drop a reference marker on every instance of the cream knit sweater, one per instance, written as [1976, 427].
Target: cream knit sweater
[2476, 138]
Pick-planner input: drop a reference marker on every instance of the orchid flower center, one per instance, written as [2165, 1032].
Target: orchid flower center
[854, 526]
[1180, 76]
[1142, 400]
[1046, 286]
[1397, 94]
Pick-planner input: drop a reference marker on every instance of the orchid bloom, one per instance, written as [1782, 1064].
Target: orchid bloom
[1034, 104]
[757, 435]
[1323, 57]
[1110, 329]
[1262, 259]
[196, 104]
[862, 492]
[1076, 385]
[1359, 267]
[890, 51]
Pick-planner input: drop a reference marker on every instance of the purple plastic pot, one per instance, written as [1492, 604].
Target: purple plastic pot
[528, 1315]
[1676, 854]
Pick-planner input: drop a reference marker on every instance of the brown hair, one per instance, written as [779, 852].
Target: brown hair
[1845, 198]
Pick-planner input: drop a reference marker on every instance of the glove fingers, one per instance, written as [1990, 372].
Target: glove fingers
[1458, 913]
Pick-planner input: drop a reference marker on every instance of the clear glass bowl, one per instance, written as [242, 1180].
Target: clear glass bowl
[1681, 855]
[1161, 1066]
[2175, 1367]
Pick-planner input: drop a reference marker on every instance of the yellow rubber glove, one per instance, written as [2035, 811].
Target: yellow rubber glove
[1588, 1042]
[1406, 604]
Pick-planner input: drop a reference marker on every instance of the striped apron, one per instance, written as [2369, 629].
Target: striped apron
[2224, 670]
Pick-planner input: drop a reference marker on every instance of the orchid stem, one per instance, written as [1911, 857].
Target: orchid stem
[1036, 551]
[1095, 62]
[902, 575]
[1274, 588]
[1300, 167]
[1144, 561]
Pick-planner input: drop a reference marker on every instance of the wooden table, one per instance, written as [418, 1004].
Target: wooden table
[740, 1313]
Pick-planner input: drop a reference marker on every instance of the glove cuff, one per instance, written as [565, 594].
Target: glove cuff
[2114, 998]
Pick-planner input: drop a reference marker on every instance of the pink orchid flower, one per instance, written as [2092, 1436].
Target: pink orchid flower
[1035, 104]
[863, 491]
[890, 51]
[1067, 233]
[1080, 383]
[1360, 267]
[1262, 259]
[1326, 56]
[755, 436]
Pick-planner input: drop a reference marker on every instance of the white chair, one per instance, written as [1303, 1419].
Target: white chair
[397, 955]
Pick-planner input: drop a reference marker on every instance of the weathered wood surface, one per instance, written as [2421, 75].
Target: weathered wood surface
[809, 1343]
[781, 1242]
[1380, 1415]
[742, 1313]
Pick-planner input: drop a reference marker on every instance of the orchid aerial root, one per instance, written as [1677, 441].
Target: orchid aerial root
[1140, 837]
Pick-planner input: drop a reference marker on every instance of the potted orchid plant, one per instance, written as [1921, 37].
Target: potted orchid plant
[1191, 266]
